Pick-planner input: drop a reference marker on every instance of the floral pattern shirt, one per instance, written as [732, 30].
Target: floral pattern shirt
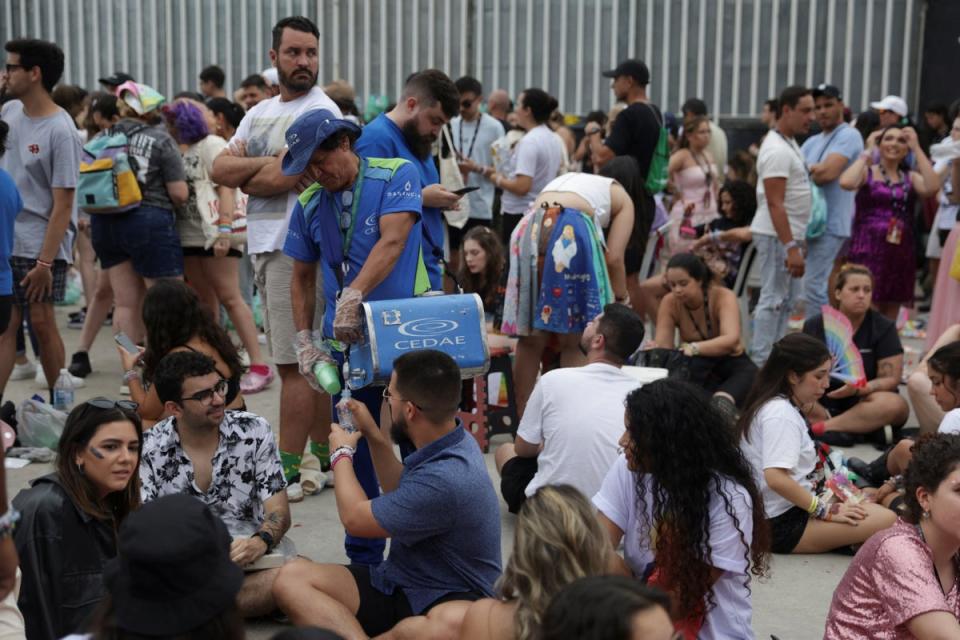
[246, 469]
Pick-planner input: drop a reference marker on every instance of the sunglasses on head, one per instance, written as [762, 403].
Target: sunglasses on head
[106, 403]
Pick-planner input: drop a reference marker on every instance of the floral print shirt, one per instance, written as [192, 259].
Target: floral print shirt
[246, 469]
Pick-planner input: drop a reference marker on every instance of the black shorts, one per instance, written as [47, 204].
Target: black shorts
[514, 478]
[787, 529]
[6, 307]
[22, 266]
[379, 612]
[733, 375]
[200, 252]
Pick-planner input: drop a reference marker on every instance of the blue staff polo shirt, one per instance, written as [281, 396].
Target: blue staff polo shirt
[384, 139]
[389, 186]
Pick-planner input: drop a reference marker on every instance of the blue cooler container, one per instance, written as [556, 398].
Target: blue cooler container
[453, 324]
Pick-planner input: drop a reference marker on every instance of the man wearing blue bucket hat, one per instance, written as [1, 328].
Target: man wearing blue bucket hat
[359, 220]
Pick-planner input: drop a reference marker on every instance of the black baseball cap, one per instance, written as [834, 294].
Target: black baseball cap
[636, 69]
[827, 90]
[117, 79]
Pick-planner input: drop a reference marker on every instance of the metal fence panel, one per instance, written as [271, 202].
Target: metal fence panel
[733, 53]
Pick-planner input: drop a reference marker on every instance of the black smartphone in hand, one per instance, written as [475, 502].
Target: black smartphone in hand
[465, 190]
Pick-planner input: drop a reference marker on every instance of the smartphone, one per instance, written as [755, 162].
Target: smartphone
[465, 190]
[126, 343]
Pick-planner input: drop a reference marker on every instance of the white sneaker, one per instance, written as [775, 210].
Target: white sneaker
[24, 371]
[313, 484]
[294, 492]
[41, 379]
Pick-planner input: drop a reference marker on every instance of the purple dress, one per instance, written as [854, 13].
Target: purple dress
[893, 265]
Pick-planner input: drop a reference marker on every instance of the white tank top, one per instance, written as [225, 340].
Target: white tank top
[592, 188]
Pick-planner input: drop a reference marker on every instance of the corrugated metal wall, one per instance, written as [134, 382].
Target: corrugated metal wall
[733, 53]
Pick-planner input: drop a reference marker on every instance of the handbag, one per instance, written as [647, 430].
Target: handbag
[818, 213]
[452, 180]
[208, 206]
[676, 362]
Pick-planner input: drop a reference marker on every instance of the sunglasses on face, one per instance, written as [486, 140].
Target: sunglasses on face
[205, 396]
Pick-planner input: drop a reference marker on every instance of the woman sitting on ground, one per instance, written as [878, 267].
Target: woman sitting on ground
[482, 271]
[847, 408]
[707, 318]
[928, 412]
[683, 501]
[904, 581]
[69, 518]
[943, 367]
[722, 243]
[785, 460]
[176, 321]
[557, 540]
[608, 608]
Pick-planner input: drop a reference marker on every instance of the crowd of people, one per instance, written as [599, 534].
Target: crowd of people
[643, 510]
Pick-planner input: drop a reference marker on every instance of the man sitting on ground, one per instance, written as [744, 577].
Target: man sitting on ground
[438, 507]
[226, 459]
[574, 419]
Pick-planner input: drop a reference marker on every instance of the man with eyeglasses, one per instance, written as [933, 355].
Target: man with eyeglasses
[226, 459]
[359, 221]
[438, 509]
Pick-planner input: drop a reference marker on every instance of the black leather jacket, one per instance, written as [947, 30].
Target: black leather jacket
[62, 552]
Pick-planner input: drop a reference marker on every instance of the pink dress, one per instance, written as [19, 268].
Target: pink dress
[945, 310]
[889, 582]
[693, 191]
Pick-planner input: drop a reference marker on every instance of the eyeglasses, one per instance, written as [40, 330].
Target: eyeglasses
[346, 214]
[205, 397]
[10, 67]
[106, 403]
[387, 396]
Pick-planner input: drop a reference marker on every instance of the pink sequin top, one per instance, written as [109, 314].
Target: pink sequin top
[890, 581]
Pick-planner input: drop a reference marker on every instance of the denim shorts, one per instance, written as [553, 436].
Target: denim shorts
[146, 236]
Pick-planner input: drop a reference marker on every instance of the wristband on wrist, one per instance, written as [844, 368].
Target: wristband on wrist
[793, 244]
[8, 522]
[132, 374]
[44, 263]
[814, 503]
[340, 453]
[715, 236]
[224, 228]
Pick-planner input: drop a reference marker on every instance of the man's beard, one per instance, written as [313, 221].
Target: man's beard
[421, 145]
[398, 432]
[295, 81]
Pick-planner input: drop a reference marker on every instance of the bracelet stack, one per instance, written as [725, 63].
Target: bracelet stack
[340, 453]
[818, 509]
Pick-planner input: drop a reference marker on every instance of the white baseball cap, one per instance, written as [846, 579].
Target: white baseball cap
[892, 103]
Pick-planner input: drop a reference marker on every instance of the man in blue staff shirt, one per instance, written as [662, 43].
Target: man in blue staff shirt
[408, 131]
[359, 219]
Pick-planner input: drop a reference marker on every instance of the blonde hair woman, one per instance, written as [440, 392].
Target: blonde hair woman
[558, 539]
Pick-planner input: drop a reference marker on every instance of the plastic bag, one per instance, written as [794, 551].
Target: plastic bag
[39, 424]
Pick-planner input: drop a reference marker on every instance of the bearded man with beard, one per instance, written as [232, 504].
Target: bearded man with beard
[253, 162]
[570, 430]
[408, 131]
[437, 507]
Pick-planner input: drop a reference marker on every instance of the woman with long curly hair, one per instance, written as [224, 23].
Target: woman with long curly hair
[776, 440]
[482, 266]
[683, 500]
[176, 321]
[557, 540]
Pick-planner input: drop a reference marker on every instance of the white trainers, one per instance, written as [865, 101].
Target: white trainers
[294, 492]
[41, 379]
[24, 371]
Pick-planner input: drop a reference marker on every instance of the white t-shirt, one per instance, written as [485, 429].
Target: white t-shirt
[950, 422]
[779, 440]
[732, 615]
[539, 156]
[577, 412]
[476, 139]
[596, 190]
[263, 130]
[780, 158]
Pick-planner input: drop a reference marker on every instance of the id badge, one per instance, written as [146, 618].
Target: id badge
[895, 231]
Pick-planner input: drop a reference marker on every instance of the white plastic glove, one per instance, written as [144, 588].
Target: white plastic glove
[309, 354]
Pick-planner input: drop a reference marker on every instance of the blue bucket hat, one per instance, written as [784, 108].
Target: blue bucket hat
[307, 133]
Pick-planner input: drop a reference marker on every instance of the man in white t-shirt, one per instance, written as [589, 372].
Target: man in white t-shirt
[780, 225]
[569, 433]
[252, 162]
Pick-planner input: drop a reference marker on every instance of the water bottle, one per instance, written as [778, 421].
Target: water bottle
[63, 391]
[326, 374]
[343, 412]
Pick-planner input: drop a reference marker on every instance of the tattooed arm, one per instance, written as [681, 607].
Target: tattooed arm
[276, 516]
[889, 372]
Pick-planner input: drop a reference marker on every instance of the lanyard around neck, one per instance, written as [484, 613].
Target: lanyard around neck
[346, 235]
[473, 141]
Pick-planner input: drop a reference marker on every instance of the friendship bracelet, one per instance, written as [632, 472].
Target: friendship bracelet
[44, 263]
[812, 509]
[133, 374]
[225, 228]
[334, 459]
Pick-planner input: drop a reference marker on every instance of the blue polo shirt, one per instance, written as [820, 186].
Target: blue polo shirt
[10, 206]
[444, 524]
[384, 139]
[846, 141]
[388, 186]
